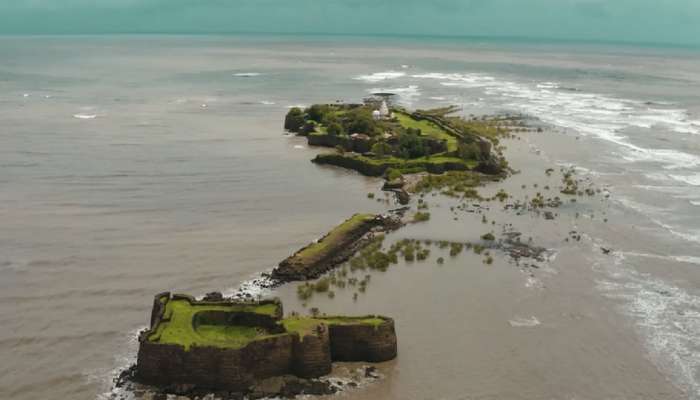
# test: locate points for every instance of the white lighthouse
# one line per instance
(384, 110)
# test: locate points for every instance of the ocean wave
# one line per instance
(676, 258)
(85, 116)
(267, 103)
(693, 180)
(522, 322)
(380, 76)
(653, 214)
(668, 317)
(247, 74)
(589, 114)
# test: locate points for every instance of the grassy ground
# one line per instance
(428, 129)
(329, 243)
(179, 329)
(306, 325)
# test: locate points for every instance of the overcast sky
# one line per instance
(664, 21)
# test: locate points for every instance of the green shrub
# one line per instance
(488, 236)
(305, 291)
(391, 173)
(421, 217)
(322, 285)
(335, 129)
(294, 120)
(317, 112)
(469, 151)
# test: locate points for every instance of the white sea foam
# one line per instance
(380, 76)
(654, 214)
(247, 74)
(267, 103)
(522, 322)
(693, 180)
(298, 146)
(591, 114)
(668, 317)
(122, 360)
(683, 259)
(85, 116)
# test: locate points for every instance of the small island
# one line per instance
(377, 140)
(219, 344)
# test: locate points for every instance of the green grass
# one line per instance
(306, 325)
(428, 129)
(330, 241)
(179, 329)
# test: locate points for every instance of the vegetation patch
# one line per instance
(177, 327)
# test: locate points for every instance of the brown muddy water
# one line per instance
(134, 165)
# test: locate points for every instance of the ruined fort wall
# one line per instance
(230, 369)
(285, 353)
(296, 268)
(362, 342)
(312, 354)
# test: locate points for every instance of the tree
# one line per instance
(469, 151)
(411, 146)
(381, 149)
(316, 112)
(294, 120)
(335, 129)
(360, 120)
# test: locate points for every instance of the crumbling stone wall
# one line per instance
(280, 354)
(297, 268)
(312, 354)
(361, 342)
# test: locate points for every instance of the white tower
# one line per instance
(384, 110)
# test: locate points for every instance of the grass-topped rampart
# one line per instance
(227, 345)
(330, 250)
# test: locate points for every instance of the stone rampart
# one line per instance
(280, 352)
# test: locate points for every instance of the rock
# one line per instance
(394, 184)
(402, 196)
(489, 167)
(548, 215)
(371, 372)
(181, 389)
(213, 296)
(160, 396)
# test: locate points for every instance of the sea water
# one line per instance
(132, 165)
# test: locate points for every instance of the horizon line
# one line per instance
(446, 37)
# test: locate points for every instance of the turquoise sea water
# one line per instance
(136, 164)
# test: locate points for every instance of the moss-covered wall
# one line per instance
(307, 354)
(360, 342)
(299, 267)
